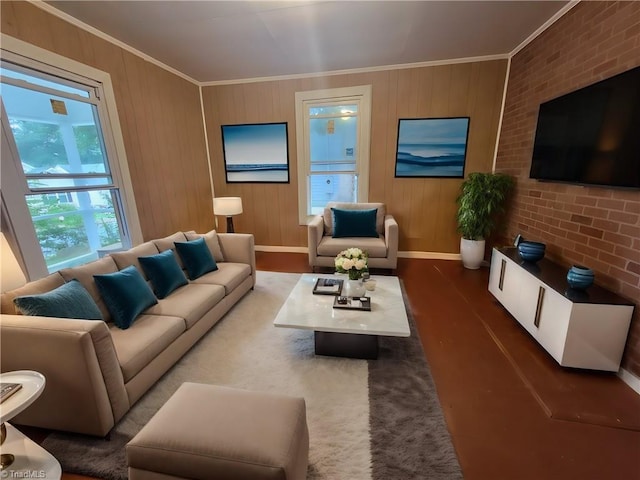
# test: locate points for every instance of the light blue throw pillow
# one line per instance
(126, 295)
(164, 272)
(354, 223)
(70, 300)
(196, 257)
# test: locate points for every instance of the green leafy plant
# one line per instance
(481, 201)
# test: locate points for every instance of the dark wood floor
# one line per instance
(512, 412)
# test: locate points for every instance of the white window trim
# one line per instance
(120, 168)
(302, 141)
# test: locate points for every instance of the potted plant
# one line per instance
(481, 201)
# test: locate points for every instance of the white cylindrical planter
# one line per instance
(472, 253)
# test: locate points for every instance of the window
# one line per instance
(62, 182)
(333, 147)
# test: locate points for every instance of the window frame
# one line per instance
(360, 95)
(26, 55)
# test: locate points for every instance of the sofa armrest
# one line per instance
(391, 238)
(315, 231)
(239, 248)
(84, 389)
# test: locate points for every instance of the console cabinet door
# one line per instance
(512, 286)
(552, 321)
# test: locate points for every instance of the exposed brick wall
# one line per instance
(597, 227)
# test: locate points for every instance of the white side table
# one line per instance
(21, 457)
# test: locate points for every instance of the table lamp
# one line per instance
(11, 275)
(228, 206)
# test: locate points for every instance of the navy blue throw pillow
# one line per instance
(70, 300)
(126, 295)
(196, 258)
(164, 272)
(354, 223)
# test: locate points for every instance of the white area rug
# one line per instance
(378, 419)
(245, 350)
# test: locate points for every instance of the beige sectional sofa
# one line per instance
(96, 371)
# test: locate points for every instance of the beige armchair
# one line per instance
(382, 250)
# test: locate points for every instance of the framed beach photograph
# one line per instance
(256, 153)
(432, 147)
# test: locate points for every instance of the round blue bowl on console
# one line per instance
(531, 251)
(580, 277)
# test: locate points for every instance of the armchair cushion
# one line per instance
(354, 223)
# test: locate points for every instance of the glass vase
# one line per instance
(354, 288)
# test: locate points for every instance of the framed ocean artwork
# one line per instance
(256, 153)
(432, 147)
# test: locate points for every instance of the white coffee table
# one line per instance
(346, 333)
(22, 457)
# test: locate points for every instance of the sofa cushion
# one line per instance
(84, 274)
(144, 341)
(190, 302)
(130, 257)
(37, 286)
(229, 275)
(168, 243)
(196, 257)
(330, 247)
(212, 241)
(164, 272)
(126, 295)
(70, 300)
(354, 223)
(328, 214)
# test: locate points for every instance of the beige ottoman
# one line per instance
(210, 432)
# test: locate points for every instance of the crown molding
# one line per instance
(452, 61)
(559, 14)
(399, 66)
(99, 33)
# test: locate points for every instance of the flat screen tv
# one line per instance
(591, 136)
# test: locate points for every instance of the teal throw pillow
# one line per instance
(126, 295)
(70, 300)
(164, 272)
(354, 223)
(196, 257)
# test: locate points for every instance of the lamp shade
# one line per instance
(12, 275)
(227, 206)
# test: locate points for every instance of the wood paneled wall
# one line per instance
(160, 117)
(424, 208)
(596, 227)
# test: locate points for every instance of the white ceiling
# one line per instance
(215, 41)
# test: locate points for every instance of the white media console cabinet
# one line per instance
(581, 329)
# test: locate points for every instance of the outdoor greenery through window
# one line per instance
(70, 192)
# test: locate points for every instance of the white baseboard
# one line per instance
(280, 249)
(425, 255)
(430, 255)
(630, 379)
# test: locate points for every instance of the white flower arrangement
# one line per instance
(352, 261)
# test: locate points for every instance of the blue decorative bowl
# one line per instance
(531, 251)
(580, 277)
